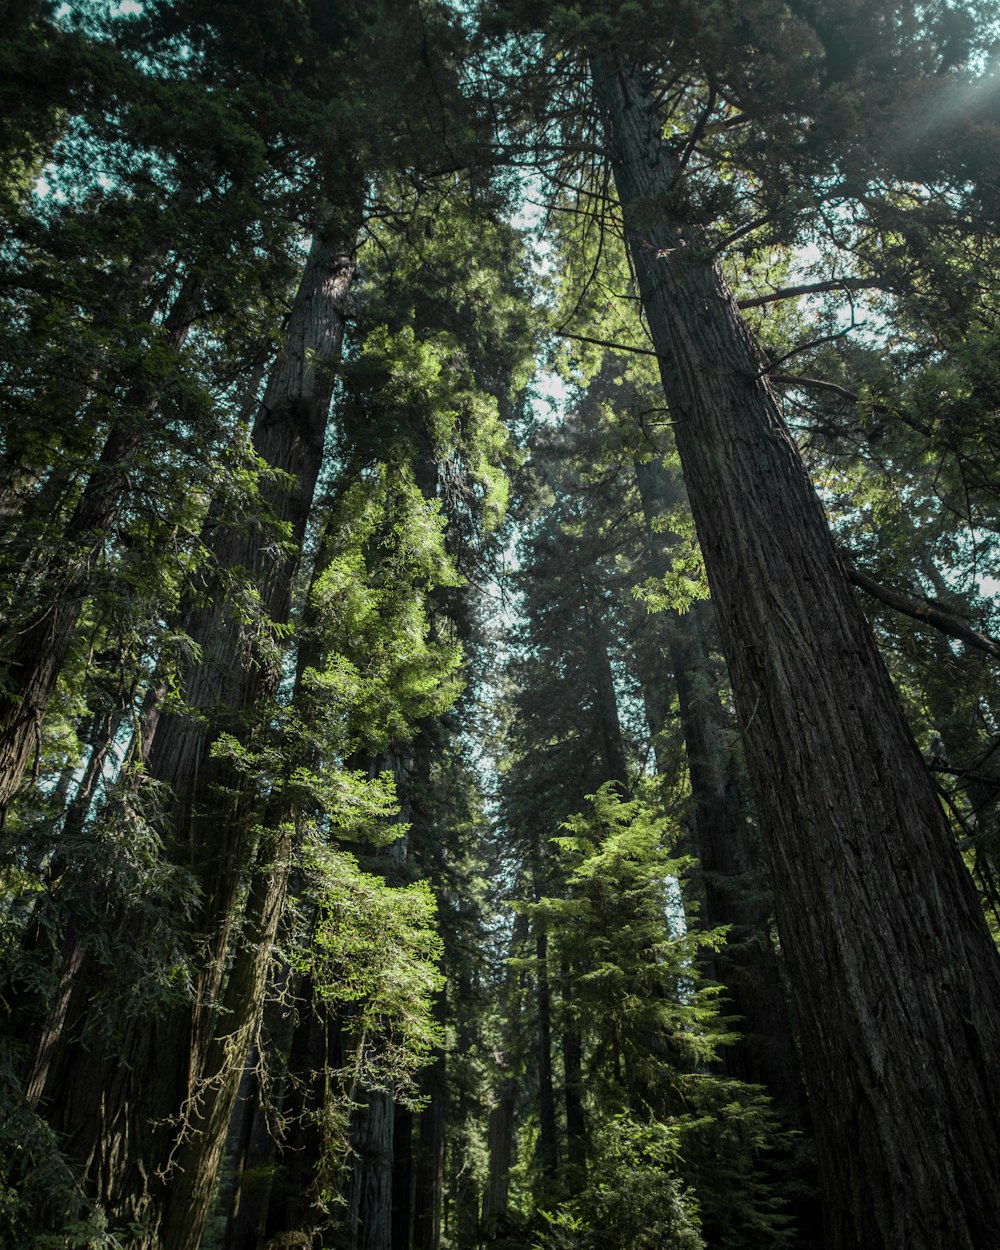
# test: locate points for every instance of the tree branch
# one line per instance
(617, 347)
(804, 347)
(817, 384)
(922, 610)
(810, 288)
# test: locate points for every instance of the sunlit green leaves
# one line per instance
(372, 957)
(387, 662)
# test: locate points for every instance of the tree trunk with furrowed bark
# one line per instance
(896, 980)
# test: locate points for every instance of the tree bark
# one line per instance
(895, 978)
(429, 1161)
(370, 1197)
(402, 1179)
(316, 1044)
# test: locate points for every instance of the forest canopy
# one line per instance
(499, 545)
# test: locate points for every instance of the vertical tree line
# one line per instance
(430, 823)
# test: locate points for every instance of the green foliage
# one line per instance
(372, 957)
(635, 980)
(37, 1177)
(685, 581)
(186, 153)
(633, 1196)
(633, 986)
(388, 659)
(733, 1147)
(446, 346)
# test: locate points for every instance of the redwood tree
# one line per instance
(895, 978)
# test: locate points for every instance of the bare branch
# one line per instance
(617, 347)
(923, 610)
(811, 288)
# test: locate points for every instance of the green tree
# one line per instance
(650, 1028)
(752, 542)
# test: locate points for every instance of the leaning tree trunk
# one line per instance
(895, 978)
(153, 1145)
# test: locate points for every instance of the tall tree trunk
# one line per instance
(402, 1179)
(153, 1151)
(370, 1195)
(895, 978)
(266, 1111)
(602, 685)
(501, 1123)
(500, 1145)
(735, 894)
(248, 1149)
(316, 1045)
(572, 1056)
(289, 436)
(429, 1161)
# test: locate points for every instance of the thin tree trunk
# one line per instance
(500, 1145)
(240, 1226)
(254, 1164)
(895, 978)
(501, 1123)
(548, 1148)
(42, 644)
(572, 1055)
(316, 1045)
(735, 893)
(602, 685)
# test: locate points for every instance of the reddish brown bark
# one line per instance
(895, 978)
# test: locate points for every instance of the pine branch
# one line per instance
(817, 384)
(805, 347)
